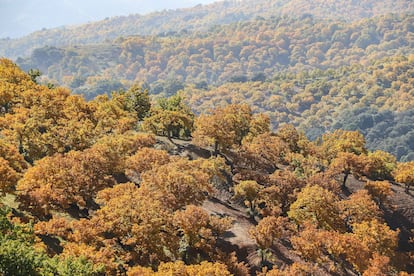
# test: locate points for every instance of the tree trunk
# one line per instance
(345, 178)
(216, 148)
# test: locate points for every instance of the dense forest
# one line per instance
(88, 189)
(269, 137)
(316, 74)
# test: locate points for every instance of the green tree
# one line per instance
(19, 254)
(34, 74)
(138, 101)
(172, 118)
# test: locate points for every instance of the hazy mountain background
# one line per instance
(198, 18)
(21, 17)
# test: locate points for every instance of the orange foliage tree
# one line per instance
(225, 127)
(12, 166)
(347, 163)
(179, 268)
(200, 232)
(131, 227)
(73, 179)
(359, 207)
(181, 181)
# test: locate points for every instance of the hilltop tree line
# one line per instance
(93, 194)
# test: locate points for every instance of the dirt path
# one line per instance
(238, 235)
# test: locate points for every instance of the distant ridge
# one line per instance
(198, 18)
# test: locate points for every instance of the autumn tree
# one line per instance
(359, 207)
(269, 201)
(379, 190)
(34, 124)
(290, 136)
(63, 180)
(138, 222)
(224, 127)
(182, 181)
(47, 121)
(281, 191)
(180, 268)
(318, 206)
(171, 118)
(259, 124)
(379, 265)
(267, 231)
(380, 165)
(200, 232)
(404, 173)
(326, 181)
(12, 166)
(347, 163)
(331, 248)
(112, 115)
(296, 268)
(13, 82)
(117, 148)
(145, 160)
(378, 237)
(263, 152)
(131, 227)
(73, 179)
(248, 191)
(9, 176)
(343, 141)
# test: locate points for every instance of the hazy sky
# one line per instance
(20, 17)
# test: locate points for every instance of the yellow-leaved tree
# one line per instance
(319, 206)
(404, 173)
(228, 126)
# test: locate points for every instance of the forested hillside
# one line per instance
(376, 100)
(199, 18)
(269, 137)
(89, 189)
(310, 72)
(236, 52)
